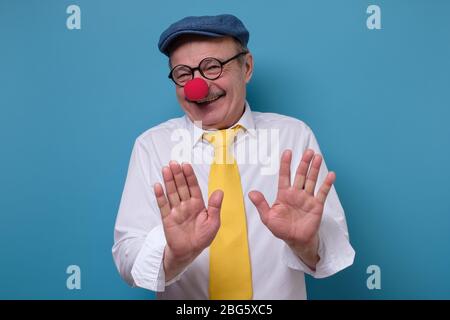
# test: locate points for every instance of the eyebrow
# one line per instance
(171, 66)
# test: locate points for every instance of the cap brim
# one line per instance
(165, 45)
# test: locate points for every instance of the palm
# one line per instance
(189, 230)
(296, 213)
(289, 219)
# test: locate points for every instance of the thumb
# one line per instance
(214, 204)
(261, 204)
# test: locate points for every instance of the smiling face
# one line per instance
(225, 102)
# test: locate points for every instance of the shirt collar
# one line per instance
(245, 121)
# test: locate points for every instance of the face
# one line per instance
(227, 93)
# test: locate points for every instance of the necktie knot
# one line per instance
(222, 140)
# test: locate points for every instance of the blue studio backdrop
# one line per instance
(72, 102)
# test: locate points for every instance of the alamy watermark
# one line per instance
(74, 279)
(374, 280)
(259, 147)
(373, 22)
(73, 21)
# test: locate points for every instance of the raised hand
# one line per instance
(189, 226)
(296, 213)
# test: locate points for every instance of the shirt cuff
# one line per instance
(335, 252)
(148, 268)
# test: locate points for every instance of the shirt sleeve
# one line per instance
(139, 239)
(335, 251)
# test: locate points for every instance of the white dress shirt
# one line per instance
(277, 273)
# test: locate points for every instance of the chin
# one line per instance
(209, 118)
(211, 122)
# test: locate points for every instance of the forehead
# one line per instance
(191, 49)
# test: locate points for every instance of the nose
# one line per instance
(197, 74)
(196, 89)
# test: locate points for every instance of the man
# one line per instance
(219, 225)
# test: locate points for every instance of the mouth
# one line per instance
(209, 100)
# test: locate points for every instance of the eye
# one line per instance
(181, 72)
(185, 74)
(213, 68)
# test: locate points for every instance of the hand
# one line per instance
(296, 213)
(189, 226)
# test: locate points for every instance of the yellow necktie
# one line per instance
(230, 276)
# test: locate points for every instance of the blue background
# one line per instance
(73, 101)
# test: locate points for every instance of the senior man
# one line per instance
(208, 222)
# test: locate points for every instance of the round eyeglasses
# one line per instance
(209, 68)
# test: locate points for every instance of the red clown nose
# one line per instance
(196, 89)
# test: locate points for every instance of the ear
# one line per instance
(248, 67)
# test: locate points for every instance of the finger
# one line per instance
(313, 173)
(261, 204)
(194, 188)
(326, 186)
(180, 181)
(161, 199)
(302, 169)
(214, 205)
(284, 180)
(171, 188)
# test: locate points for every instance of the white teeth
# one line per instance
(209, 100)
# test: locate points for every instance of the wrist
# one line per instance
(174, 264)
(306, 247)
(308, 252)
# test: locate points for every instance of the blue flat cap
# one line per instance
(214, 26)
